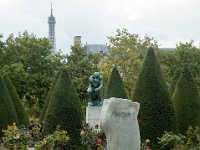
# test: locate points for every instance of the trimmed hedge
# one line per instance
(20, 110)
(187, 102)
(47, 100)
(156, 113)
(64, 110)
(174, 81)
(8, 114)
(115, 86)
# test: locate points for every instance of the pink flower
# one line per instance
(82, 132)
(147, 148)
(99, 140)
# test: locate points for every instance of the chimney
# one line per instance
(77, 40)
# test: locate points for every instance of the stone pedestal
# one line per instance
(93, 115)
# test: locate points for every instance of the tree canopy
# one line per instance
(185, 54)
(126, 51)
(31, 66)
(80, 66)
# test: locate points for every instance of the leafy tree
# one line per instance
(168, 64)
(20, 110)
(187, 102)
(156, 113)
(64, 109)
(30, 60)
(126, 51)
(47, 100)
(80, 66)
(115, 86)
(185, 54)
(17, 71)
(2, 44)
(188, 55)
(8, 114)
(174, 81)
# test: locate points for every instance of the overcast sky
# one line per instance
(168, 21)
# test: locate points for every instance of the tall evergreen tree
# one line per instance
(47, 100)
(20, 110)
(115, 86)
(156, 113)
(64, 109)
(8, 114)
(174, 81)
(187, 102)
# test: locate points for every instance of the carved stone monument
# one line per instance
(119, 122)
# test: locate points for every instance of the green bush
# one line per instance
(53, 141)
(64, 110)
(115, 86)
(16, 138)
(189, 141)
(8, 114)
(156, 113)
(20, 110)
(172, 141)
(187, 102)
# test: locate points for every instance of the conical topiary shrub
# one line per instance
(156, 113)
(20, 110)
(8, 114)
(64, 110)
(187, 102)
(174, 81)
(47, 100)
(115, 86)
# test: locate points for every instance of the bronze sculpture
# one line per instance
(95, 85)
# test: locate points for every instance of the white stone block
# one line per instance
(119, 122)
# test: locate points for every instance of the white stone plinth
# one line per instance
(119, 122)
(93, 115)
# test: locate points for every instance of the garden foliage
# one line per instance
(187, 102)
(8, 114)
(20, 110)
(156, 113)
(174, 81)
(189, 141)
(47, 100)
(92, 139)
(64, 110)
(115, 86)
(53, 141)
(15, 138)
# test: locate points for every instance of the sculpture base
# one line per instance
(93, 115)
(95, 103)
